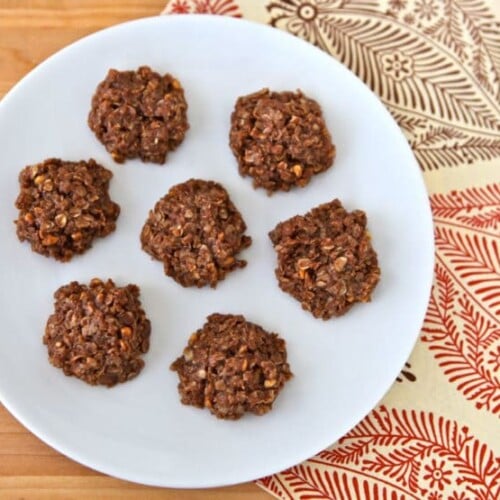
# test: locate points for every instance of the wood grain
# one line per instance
(30, 31)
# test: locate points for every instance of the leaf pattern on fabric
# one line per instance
(396, 454)
(462, 326)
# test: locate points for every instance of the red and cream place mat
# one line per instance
(436, 66)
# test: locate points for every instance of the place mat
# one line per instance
(436, 66)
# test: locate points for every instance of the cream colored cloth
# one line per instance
(436, 66)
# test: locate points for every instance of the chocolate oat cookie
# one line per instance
(232, 366)
(196, 231)
(98, 333)
(139, 114)
(325, 259)
(280, 139)
(63, 206)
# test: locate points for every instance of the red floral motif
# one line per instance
(435, 496)
(409, 19)
(437, 475)
(396, 454)
(457, 496)
(179, 7)
(426, 9)
(397, 4)
(219, 7)
(462, 325)
(397, 65)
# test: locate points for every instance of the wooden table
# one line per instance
(30, 31)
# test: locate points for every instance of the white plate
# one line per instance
(139, 430)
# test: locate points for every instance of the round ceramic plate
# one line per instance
(139, 430)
